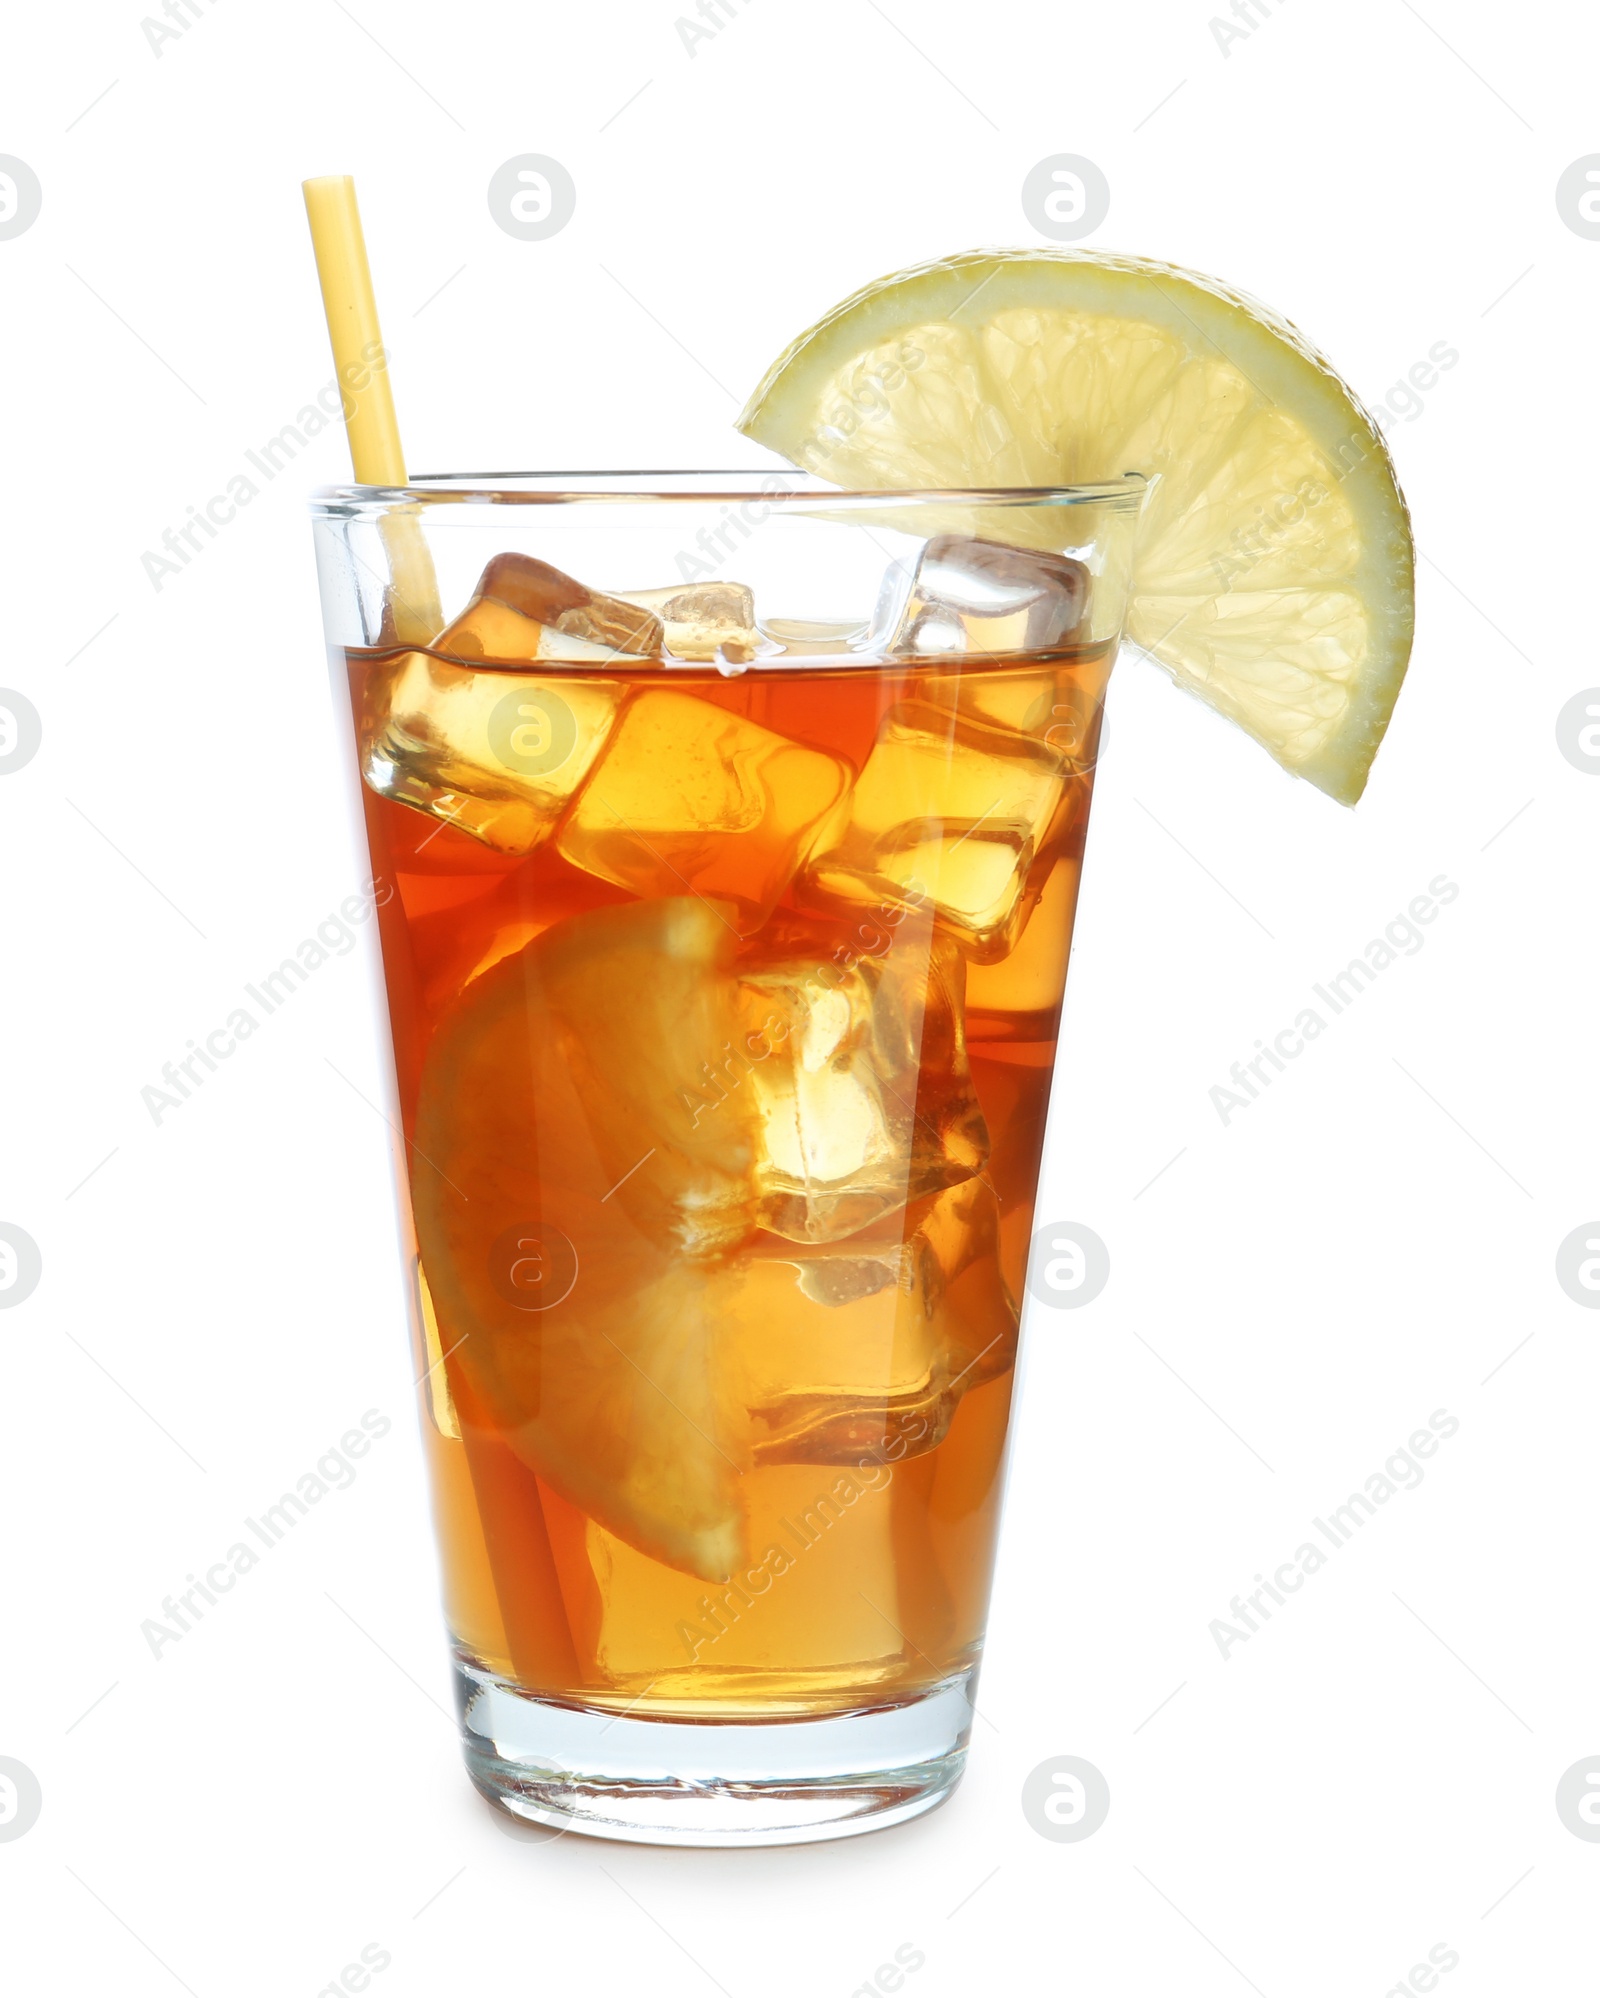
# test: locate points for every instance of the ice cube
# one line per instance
(1019, 998)
(497, 755)
(1058, 705)
(981, 1316)
(864, 1349)
(523, 609)
(815, 638)
(952, 812)
(858, 1079)
(846, 1319)
(702, 619)
(691, 797)
(966, 595)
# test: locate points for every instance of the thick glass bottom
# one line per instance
(741, 1781)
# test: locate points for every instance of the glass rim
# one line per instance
(772, 486)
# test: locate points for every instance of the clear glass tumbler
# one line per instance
(727, 831)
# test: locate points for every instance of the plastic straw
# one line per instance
(362, 365)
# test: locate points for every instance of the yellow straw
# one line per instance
(362, 366)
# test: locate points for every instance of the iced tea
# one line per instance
(725, 969)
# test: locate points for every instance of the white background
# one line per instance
(1370, 1775)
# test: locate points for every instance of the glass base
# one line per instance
(773, 1781)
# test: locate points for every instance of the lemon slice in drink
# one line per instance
(1274, 574)
(566, 1204)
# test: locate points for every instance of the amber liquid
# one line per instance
(860, 1572)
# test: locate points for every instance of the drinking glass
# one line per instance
(726, 832)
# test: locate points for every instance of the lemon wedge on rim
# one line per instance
(1274, 575)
